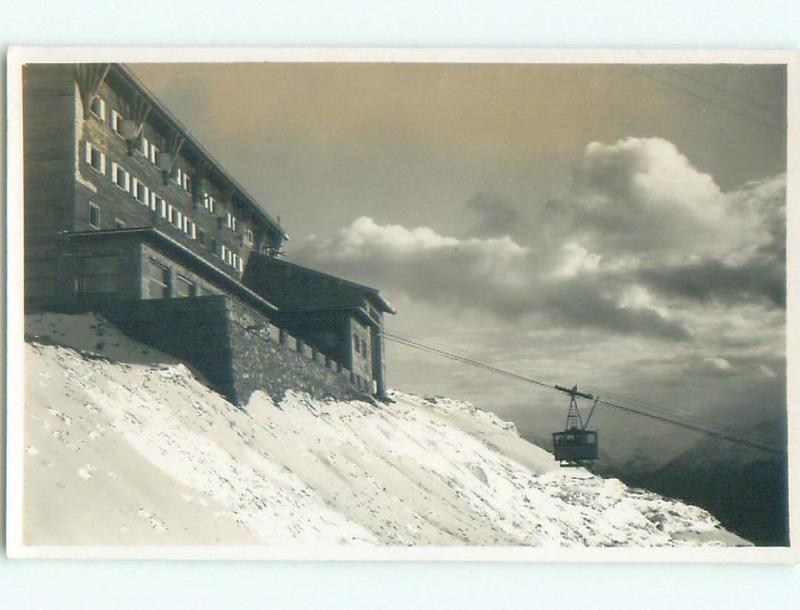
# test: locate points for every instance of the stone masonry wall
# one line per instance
(266, 359)
(235, 348)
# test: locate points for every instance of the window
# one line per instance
(140, 192)
(98, 108)
(159, 279)
(116, 122)
(190, 228)
(239, 264)
(143, 147)
(184, 287)
(154, 152)
(214, 246)
(95, 158)
(224, 252)
(94, 215)
(175, 217)
(182, 179)
(201, 236)
(208, 202)
(235, 261)
(248, 237)
(357, 343)
(98, 275)
(158, 205)
(230, 221)
(120, 177)
(119, 224)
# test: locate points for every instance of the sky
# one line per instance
(618, 227)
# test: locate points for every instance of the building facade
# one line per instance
(343, 318)
(123, 204)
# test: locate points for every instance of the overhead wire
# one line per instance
(777, 128)
(665, 416)
(692, 418)
(763, 107)
(641, 407)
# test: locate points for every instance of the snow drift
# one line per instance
(124, 445)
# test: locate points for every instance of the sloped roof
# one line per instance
(298, 297)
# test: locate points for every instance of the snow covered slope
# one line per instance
(125, 446)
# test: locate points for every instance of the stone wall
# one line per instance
(260, 361)
(236, 349)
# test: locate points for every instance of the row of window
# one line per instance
(150, 151)
(162, 283)
(232, 258)
(140, 192)
(180, 221)
(143, 146)
(123, 180)
(120, 177)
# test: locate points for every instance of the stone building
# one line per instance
(128, 214)
(343, 318)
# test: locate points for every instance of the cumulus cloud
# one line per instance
(641, 197)
(638, 232)
(497, 275)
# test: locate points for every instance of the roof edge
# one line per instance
(127, 74)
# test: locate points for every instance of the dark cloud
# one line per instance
(494, 275)
(714, 281)
(493, 216)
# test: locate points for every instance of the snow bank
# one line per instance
(125, 446)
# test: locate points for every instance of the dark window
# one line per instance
(143, 146)
(140, 192)
(96, 159)
(99, 275)
(94, 216)
(201, 236)
(98, 108)
(120, 177)
(185, 287)
(158, 279)
(357, 343)
(116, 122)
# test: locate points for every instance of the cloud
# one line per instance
(710, 281)
(641, 197)
(496, 275)
(493, 216)
(640, 243)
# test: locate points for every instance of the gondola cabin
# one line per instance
(575, 445)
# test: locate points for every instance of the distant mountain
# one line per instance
(746, 489)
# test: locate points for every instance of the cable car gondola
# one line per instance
(576, 446)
